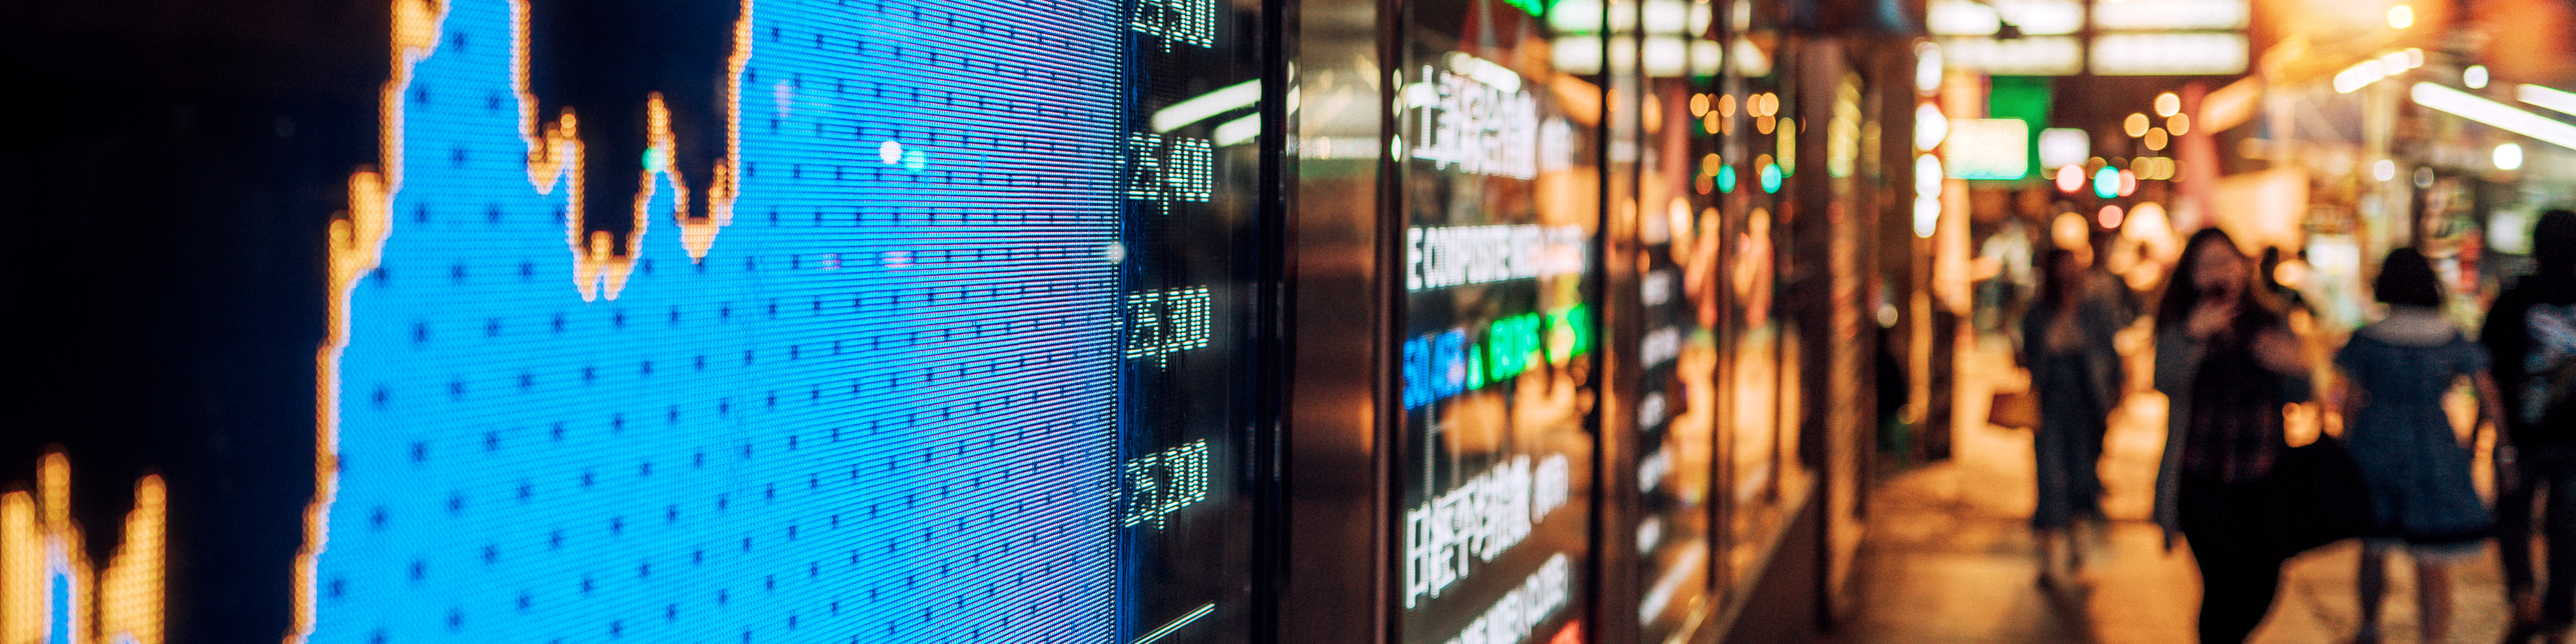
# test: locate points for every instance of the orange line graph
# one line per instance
(43, 556)
(554, 156)
(555, 153)
(356, 246)
(698, 234)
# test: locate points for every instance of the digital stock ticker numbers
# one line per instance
(917, 326)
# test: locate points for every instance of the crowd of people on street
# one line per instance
(2398, 475)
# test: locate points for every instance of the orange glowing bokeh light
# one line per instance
(2070, 179)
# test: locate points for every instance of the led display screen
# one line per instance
(952, 368)
(787, 321)
(1497, 348)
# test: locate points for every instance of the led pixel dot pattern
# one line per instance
(881, 408)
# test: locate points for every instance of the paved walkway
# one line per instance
(1949, 559)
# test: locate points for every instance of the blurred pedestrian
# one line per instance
(2396, 373)
(2532, 332)
(2227, 362)
(2001, 297)
(2075, 371)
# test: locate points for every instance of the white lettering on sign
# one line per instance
(1162, 323)
(1180, 169)
(1521, 611)
(1462, 255)
(1162, 483)
(1652, 469)
(1657, 286)
(1652, 411)
(1475, 116)
(1177, 21)
(1477, 522)
(1660, 346)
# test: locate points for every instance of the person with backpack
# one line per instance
(2531, 331)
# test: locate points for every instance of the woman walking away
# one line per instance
(2396, 372)
(2067, 341)
(2228, 362)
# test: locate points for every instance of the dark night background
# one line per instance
(171, 177)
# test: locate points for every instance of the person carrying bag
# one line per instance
(2227, 361)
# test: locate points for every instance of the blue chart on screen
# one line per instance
(882, 408)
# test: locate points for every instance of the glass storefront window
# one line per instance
(1495, 459)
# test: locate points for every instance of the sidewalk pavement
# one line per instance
(1949, 557)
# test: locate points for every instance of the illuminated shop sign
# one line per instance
(1495, 313)
(1440, 365)
(1460, 255)
(1475, 116)
(2169, 54)
(2032, 56)
(1665, 56)
(1660, 346)
(1987, 149)
(1519, 614)
(2064, 146)
(2175, 15)
(1449, 535)
(2030, 17)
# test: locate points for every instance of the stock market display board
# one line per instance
(736, 321)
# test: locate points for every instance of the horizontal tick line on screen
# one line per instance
(1177, 624)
